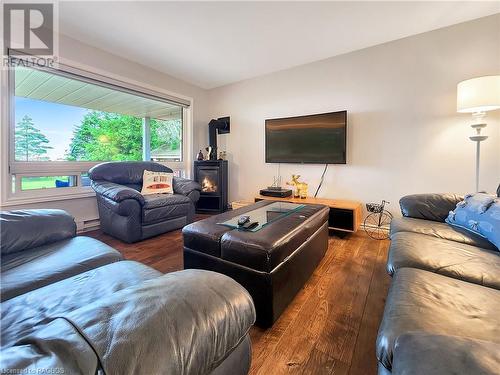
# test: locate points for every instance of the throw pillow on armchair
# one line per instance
(157, 183)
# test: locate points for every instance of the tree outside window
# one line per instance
(110, 136)
(30, 143)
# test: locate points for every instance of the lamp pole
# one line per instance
(478, 138)
(478, 96)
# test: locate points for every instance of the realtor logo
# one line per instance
(28, 28)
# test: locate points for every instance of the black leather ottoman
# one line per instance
(272, 264)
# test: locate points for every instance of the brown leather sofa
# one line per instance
(71, 305)
(442, 313)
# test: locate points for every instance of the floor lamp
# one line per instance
(478, 96)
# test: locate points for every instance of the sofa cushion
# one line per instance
(418, 353)
(421, 301)
(164, 200)
(21, 314)
(449, 258)
(43, 265)
(439, 230)
(164, 206)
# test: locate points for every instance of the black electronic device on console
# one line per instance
(277, 193)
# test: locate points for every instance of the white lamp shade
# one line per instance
(478, 94)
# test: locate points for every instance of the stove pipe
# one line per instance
(216, 126)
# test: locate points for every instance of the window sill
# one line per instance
(16, 201)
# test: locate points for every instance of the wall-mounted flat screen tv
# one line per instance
(313, 139)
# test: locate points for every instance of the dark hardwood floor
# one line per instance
(331, 325)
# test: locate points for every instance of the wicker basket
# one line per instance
(374, 207)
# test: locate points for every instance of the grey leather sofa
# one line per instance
(442, 310)
(110, 316)
(126, 214)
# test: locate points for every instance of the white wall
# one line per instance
(97, 60)
(404, 133)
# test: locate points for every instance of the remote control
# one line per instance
(250, 225)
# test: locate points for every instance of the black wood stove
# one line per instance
(212, 176)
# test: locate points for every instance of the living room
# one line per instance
(318, 240)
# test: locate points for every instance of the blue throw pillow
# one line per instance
(480, 214)
(490, 227)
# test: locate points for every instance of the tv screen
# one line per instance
(315, 139)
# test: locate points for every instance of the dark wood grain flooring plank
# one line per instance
(346, 301)
(364, 359)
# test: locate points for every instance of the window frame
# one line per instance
(54, 168)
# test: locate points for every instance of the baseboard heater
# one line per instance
(87, 225)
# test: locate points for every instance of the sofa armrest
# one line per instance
(185, 186)
(194, 196)
(433, 207)
(116, 192)
(26, 229)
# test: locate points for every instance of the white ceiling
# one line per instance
(211, 44)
